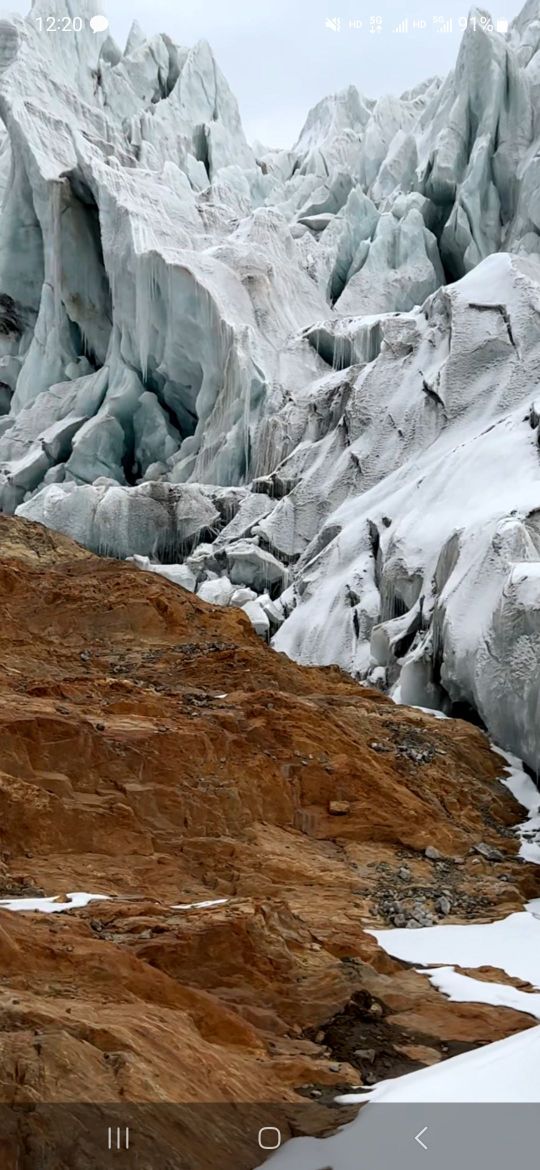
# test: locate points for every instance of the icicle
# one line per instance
(56, 212)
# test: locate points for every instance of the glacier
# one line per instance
(302, 381)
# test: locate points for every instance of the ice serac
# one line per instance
(121, 245)
(428, 571)
(153, 519)
(303, 381)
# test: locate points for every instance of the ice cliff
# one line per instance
(301, 381)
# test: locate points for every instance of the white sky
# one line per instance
(280, 59)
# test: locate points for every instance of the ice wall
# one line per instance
(308, 375)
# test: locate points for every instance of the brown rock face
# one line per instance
(154, 750)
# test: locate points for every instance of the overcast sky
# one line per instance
(280, 58)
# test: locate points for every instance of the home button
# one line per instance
(269, 1137)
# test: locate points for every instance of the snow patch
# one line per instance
(465, 989)
(511, 945)
(52, 905)
(525, 791)
(200, 905)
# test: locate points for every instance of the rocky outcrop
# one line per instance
(245, 819)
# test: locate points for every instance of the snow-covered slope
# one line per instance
(310, 374)
(503, 1073)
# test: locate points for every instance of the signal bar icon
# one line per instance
(446, 27)
(402, 27)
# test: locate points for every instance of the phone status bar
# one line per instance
(441, 25)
